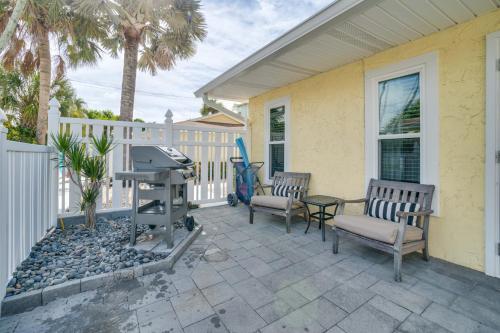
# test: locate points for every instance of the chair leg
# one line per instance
(288, 222)
(425, 251)
(335, 242)
(251, 214)
(398, 259)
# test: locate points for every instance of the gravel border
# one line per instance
(29, 300)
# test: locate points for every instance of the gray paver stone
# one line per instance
(60, 291)
(239, 317)
(96, 281)
(403, 297)
(368, 319)
(191, 307)
(20, 303)
(416, 324)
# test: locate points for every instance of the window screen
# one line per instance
(276, 140)
(276, 158)
(277, 124)
(400, 160)
(399, 128)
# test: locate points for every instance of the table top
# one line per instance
(321, 200)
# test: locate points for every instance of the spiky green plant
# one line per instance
(86, 170)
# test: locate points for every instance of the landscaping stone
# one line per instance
(77, 252)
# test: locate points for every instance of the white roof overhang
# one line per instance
(343, 32)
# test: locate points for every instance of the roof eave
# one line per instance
(333, 11)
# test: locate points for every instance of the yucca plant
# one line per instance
(87, 170)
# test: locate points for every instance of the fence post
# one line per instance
(169, 132)
(4, 215)
(53, 128)
(53, 117)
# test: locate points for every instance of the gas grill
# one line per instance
(160, 179)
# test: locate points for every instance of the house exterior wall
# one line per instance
(327, 132)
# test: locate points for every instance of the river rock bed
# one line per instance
(78, 252)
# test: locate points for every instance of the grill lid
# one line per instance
(158, 157)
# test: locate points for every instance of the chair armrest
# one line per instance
(362, 200)
(420, 213)
(342, 202)
(264, 186)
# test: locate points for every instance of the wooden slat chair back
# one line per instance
(400, 192)
(395, 192)
(294, 206)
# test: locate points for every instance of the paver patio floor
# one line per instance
(238, 277)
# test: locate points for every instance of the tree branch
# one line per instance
(11, 26)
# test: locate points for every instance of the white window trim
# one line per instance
(427, 66)
(284, 101)
(491, 178)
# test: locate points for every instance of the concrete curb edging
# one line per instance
(32, 299)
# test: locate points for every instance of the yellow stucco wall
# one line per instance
(327, 132)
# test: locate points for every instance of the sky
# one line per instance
(236, 29)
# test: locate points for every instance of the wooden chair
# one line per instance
(395, 238)
(286, 206)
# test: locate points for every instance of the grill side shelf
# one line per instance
(142, 175)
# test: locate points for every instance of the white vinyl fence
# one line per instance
(209, 147)
(28, 199)
(35, 188)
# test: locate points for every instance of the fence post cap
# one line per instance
(54, 105)
(168, 116)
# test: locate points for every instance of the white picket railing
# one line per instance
(209, 147)
(28, 199)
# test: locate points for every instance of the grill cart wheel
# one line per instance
(232, 199)
(189, 223)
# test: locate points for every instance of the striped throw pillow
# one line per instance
(282, 190)
(386, 210)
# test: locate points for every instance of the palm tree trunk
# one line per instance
(129, 77)
(44, 94)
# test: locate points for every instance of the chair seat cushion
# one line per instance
(377, 229)
(272, 201)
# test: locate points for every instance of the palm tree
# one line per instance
(30, 50)
(19, 99)
(10, 26)
(153, 34)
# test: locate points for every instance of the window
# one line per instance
(277, 136)
(399, 128)
(402, 130)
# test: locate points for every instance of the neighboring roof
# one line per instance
(203, 124)
(222, 109)
(216, 119)
(341, 33)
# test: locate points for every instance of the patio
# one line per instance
(238, 277)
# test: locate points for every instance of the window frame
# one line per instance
(427, 67)
(285, 102)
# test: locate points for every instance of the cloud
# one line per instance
(236, 29)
